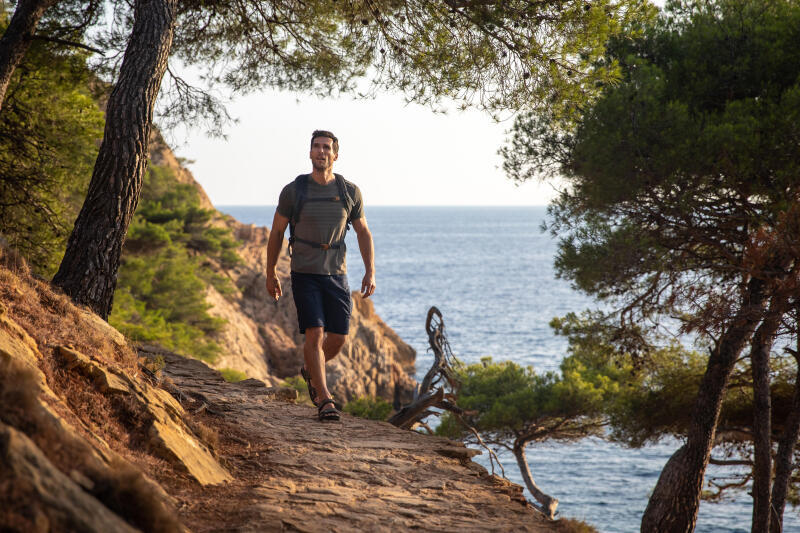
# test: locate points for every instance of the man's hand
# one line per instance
(274, 286)
(368, 285)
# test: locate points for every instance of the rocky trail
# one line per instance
(293, 473)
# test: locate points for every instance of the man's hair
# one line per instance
(323, 133)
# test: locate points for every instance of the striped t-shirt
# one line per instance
(322, 222)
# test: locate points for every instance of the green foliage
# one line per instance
(371, 408)
(512, 402)
(299, 384)
(232, 375)
(160, 294)
(49, 127)
(696, 135)
(498, 55)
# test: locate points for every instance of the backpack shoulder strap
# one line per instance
(347, 200)
(300, 194)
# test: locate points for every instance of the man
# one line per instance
(318, 208)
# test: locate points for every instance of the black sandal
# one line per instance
(328, 414)
(312, 392)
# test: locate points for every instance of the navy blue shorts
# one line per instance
(323, 301)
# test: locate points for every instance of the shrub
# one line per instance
(231, 375)
(369, 407)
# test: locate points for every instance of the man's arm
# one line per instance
(274, 245)
(367, 254)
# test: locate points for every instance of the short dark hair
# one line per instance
(331, 136)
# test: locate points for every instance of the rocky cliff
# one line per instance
(96, 436)
(261, 337)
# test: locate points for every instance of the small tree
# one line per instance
(514, 406)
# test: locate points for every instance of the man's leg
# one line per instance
(332, 344)
(315, 362)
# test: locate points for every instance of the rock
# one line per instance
(261, 337)
(105, 380)
(54, 500)
(170, 438)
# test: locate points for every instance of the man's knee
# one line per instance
(335, 340)
(333, 343)
(314, 335)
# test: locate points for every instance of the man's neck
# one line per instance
(323, 177)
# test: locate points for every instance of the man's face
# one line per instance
(322, 156)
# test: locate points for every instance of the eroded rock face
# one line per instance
(55, 501)
(262, 336)
(169, 436)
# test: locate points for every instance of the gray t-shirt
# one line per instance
(322, 222)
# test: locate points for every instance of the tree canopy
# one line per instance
(682, 203)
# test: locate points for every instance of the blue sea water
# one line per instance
(490, 272)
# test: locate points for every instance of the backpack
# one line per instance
(301, 197)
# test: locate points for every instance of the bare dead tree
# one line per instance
(439, 387)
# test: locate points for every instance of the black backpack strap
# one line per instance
(347, 200)
(300, 195)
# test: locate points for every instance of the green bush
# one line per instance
(299, 384)
(49, 130)
(369, 407)
(165, 269)
(232, 375)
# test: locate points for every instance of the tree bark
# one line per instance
(88, 272)
(17, 38)
(549, 504)
(675, 500)
(762, 414)
(783, 460)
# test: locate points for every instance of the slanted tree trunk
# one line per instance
(88, 272)
(762, 414)
(675, 500)
(17, 38)
(549, 504)
(783, 460)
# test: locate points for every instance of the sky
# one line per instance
(397, 153)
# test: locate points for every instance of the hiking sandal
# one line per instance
(312, 392)
(329, 413)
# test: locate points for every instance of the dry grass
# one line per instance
(52, 319)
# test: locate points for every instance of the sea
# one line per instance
(490, 272)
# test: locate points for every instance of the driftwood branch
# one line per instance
(439, 386)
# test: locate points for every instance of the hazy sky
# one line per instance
(398, 154)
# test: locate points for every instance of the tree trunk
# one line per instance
(549, 504)
(783, 460)
(762, 414)
(88, 272)
(17, 38)
(673, 505)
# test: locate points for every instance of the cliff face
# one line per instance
(261, 337)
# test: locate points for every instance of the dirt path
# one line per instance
(294, 473)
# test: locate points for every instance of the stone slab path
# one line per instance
(294, 473)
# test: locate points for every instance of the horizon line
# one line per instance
(401, 205)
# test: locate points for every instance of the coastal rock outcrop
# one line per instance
(261, 337)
